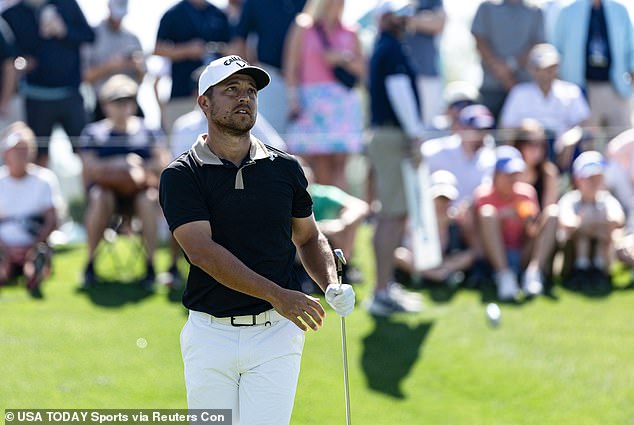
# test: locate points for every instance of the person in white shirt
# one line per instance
(29, 201)
(557, 105)
(468, 153)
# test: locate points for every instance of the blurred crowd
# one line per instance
(531, 173)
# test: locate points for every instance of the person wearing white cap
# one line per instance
(121, 160)
(588, 215)
(556, 104)
(514, 243)
(116, 50)
(240, 210)
(458, 254)
(30, 199)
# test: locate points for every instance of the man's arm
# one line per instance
(192, 50)
(195, 239)
(314, 251)
(430, 22)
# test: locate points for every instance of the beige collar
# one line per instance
(204, 155)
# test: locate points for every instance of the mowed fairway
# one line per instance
(564, 359)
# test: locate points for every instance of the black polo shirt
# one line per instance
(249, 209)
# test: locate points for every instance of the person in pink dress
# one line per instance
(326, 114)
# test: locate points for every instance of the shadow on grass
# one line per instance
(389, 353)
(111, 293)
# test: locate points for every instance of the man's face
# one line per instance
(589, 186)
(120, 109)
(545, 76)
(504, 182)
(233, 105)
(18, 157)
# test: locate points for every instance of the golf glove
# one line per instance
(341, 298)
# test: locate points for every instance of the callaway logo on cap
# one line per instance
(222, 68)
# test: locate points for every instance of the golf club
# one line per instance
(341, 260)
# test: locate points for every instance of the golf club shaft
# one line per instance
(341, 260)
(344, 352)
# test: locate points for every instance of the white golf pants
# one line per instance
(251, 370)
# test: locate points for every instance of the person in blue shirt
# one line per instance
(421, 45)
(595, 39)
(48, 34)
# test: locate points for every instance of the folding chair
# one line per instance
(121, 255)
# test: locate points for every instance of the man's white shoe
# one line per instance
(506, 282)
(532, 282)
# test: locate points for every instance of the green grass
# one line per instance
(564, 359)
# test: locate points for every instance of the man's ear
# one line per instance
(203, 102)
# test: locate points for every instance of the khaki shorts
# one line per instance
(387, 147)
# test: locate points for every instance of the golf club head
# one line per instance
(339, 255)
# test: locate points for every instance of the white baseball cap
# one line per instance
(543, 55)
(443, 183)
(118, 8)
(508, 160)
(588, 164)
(222, 68)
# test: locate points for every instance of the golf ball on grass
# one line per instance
(493, 314)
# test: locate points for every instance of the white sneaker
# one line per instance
(506, 282)
(394, 300)
(532, 282)
(411, 301)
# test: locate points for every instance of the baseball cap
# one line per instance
(588, 164)
(397, 7)
(459, 92)
(118, 8)
(508, 160)
(118, 87)
(15, 134)
(443, 183)
(476, 116)
(222, 68)
(543, 55)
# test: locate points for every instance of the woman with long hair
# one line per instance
(326, 113)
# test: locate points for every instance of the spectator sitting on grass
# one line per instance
(29, 195)
(338, 215)
(588, 216)
(458, 255)
(512, 237)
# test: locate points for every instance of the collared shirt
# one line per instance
(561, 109)
(250, 210)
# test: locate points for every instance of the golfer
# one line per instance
(240, 211)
